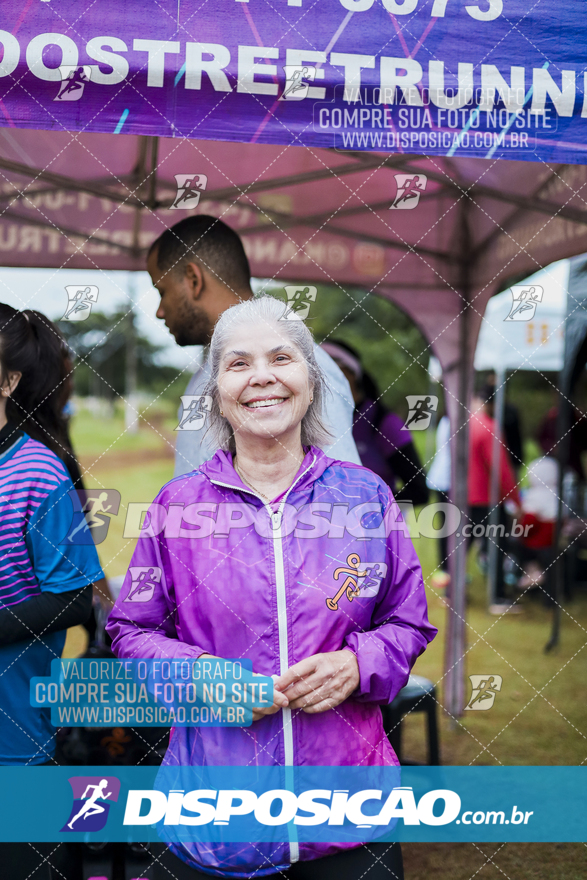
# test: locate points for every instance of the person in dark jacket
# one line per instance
(512, 433)
(383, 444)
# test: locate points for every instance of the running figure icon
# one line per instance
(194, 409)
(421, 409)
(75, 80)
(484, 690)
(91, 519)
(524, 303)
(189, 190)
(296, 84)
(91, 808)
(409, 190)
(79, 302)
(145, 582)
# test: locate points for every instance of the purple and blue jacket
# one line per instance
(243, 579)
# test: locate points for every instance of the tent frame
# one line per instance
(141, 186)
(458, 267)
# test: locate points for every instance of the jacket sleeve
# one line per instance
(142, 622)
(43, 614)
(400, 629)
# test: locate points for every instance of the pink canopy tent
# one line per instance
(316, 215)
(286, 111)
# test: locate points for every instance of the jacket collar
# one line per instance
(220, 469)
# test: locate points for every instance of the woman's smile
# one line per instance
(264, 402)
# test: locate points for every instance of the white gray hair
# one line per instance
(267, 310)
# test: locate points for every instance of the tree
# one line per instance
(392, 348)
(100, 348)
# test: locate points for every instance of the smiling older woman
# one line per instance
(297, 573)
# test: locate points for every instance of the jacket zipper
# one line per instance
(276, 521)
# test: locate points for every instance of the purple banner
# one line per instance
(484, 78)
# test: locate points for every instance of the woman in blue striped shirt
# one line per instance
(45, 580)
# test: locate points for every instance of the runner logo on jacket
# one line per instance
(349, 586)
(144, 580)
(373, 572)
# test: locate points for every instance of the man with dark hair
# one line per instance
(200, 269)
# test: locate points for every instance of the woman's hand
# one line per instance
(280, 701)
(320, 682)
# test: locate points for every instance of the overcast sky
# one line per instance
(44, 290)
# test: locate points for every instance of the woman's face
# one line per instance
(263, 382)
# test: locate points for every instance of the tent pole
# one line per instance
(494, 499)
(454, 665)
(563, 426)
(455, 637)
(131, 409)
(431, 432)
(153, 173)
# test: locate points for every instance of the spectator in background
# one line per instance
(482, 430)
(548, 438)
(383, 444)
(438, 480)
(534, 548)
(512, 435)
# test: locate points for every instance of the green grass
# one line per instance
(137, 465)
(140, 483)
(495, 861)
(98, 436)
(538, 718)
